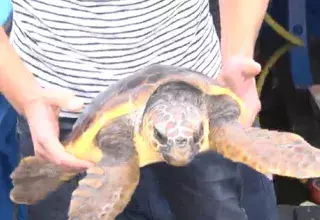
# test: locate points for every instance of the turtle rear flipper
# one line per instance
(34, 179)
(280, 153)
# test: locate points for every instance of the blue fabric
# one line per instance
(9, 157)
(5, 11)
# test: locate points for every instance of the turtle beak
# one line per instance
(180, 152)
(177, 162)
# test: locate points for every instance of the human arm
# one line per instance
(40, 106)
(17, 84)
(241, 21)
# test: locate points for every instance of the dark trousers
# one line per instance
(9, 157)
(210, 188)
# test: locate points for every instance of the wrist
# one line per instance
(231, 50)
(25, 99)
(230, 67)
(31, 105)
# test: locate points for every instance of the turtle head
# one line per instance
(176, 131)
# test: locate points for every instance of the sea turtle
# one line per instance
(160, 114)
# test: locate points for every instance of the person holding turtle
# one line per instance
(66, 52)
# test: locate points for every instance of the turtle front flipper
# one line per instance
(108, 186)
(105, 191)
(34, 179)
(280, 153)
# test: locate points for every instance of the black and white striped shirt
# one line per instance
(86, 45)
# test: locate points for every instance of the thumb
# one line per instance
(250, 68)
(63, 98)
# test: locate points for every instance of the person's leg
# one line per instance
(258, 196)
(9, 156)
(147, 202)
(209, 188)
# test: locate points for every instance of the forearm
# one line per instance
(17, 84)
(241, 21)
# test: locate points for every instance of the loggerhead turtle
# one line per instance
(161, 114)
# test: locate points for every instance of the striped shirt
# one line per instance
(86, 45)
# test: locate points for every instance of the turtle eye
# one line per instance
(159, 136)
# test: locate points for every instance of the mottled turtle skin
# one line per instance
(161, 113)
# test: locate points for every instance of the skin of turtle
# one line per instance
(160, 114)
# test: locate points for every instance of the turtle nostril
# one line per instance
(181, 141)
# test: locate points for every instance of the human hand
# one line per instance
(42, 116)
(238, 74)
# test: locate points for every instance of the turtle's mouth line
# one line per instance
(177, 162)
